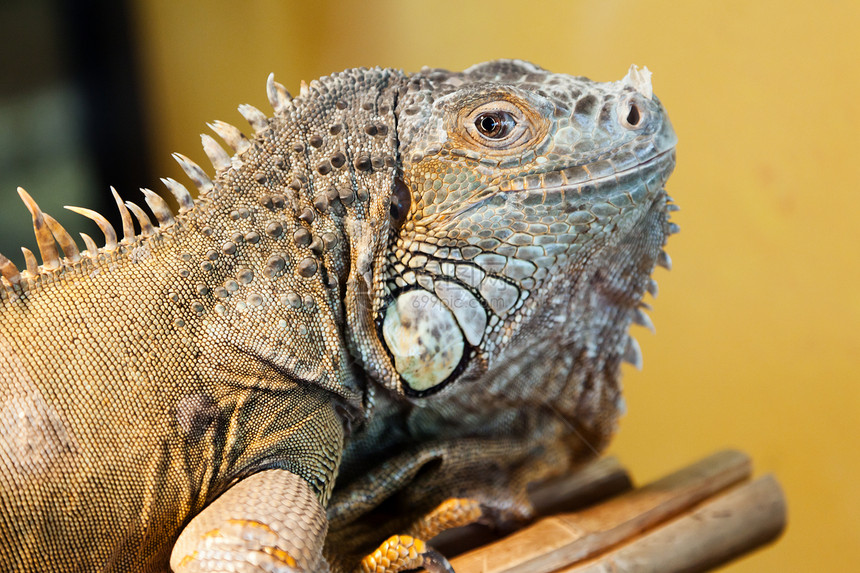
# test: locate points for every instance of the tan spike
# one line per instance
(256, 118)
(159, 207)
(92, 247)
(104, 225)
(641, 318)
(67, 243)
(652, 288)
(230, 134)
(127, 223)
(279, 97)
(30, 261)
(146, 227)
(47, 246)
(633, 354)
(664, 260)
(304, 90)
(183, 197)
(219, 158)
(195, 173)
(9, 271)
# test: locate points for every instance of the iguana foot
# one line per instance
(403, 552)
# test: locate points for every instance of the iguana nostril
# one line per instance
(633, 115)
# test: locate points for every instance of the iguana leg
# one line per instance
(270, 521)
(454, 512)
(401, 552)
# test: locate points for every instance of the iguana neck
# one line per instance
(269, 250)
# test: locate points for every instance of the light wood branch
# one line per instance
(748, 516)
(627, 528)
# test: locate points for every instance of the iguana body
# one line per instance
(419, 283)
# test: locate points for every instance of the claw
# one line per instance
(435, 562)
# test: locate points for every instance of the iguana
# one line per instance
(403, 291)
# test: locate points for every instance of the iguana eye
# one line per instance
(495, 125)
(500, 125)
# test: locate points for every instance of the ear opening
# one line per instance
(401, 203)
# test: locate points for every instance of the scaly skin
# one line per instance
(420, 285)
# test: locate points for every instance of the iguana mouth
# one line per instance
(523, 183)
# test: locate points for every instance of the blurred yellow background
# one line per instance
(758, 324)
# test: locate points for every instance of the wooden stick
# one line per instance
(560, 540)
(592, 483)
(746, 517)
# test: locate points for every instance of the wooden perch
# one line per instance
(746, 517)
(691, 520)
(594, 482)
(599, 480)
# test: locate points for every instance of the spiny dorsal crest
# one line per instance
(50, 234)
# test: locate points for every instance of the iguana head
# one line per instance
(526, 220)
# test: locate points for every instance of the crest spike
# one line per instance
(231, 135)
(9, 271)
(92, 247)
(127, 224)
(641, 318)
(633, 353)
(217, 156)
(146, 228)
(664, 260)
(279, 97)
(183, 197)
(67, 243)
(256, 118)
(30, 261)
(44, 238)
(195, 173)
(104, 225)
(652, 288)
(159, 207)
